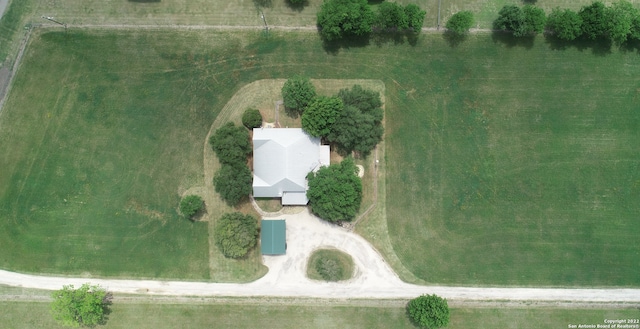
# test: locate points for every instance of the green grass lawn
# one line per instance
(505, 164)
(35, 315)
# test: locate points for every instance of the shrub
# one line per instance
(235, 234)
(429, 311)
(251, 118)
(460, 22)
(84, 306)
(191, 205)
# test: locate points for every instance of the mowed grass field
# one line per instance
(505, 165)
(33, 315)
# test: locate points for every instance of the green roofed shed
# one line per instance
(273, 237)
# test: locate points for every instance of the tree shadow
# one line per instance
(292, 113)
(144, 1)
(382, 37)
(334, 46)
(296, 6)
(107, 301)
(454, 39)
(599, 47)
(510, 41)
(529, 2)
(630, 46)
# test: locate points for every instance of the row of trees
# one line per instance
(232, 146)
(339, 19)
(351, 120)
(619, 22)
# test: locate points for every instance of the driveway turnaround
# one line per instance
(286, 277)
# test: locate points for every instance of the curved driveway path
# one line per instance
(286, 276)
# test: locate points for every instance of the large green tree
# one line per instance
(345, 18)
(534, 19)
(233, 183)
(429, 311)
(594, 20)
(565, 24)
(320, 115)
(235, 234)
(231, 144)
(460, 22)
(335, 192)
(297, 93)
(84, 306)
(358, 127)
(520, 21)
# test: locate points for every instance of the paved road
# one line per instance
(373, 279)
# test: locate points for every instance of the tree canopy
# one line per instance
(335, 192)
(565, 24)
(620, 19)
(345, 18)
(521, 22)
(358, 127)
(391, 16)
(429, 311)
(84, 306)
(251, 118)
(594, 23)
(191, 205)
(231, 144)
(415, 17)
(233, 183)
(320, 115)
(235, 234)
(460, 22)
(297, 93)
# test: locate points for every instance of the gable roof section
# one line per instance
(282, 158)
(273, 237)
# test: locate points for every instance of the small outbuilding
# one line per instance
(273, 237)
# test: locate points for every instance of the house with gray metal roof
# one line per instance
(282, 158)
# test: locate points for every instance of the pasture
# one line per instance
(505, 164)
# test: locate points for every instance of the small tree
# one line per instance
(620, 18)
(320, 115)
(335, 192)
(534, 19)
(429, 311)
(231, 144)
(460, 22)
(84, 306)
(233, 183)
(338, 19)
(251, 118)
(235, 234)
(510, 18)
(594, 21)
(297, 93)
(415, 17)
(391, 16)
(191, 205)
(565, 24)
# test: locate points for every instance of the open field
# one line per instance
(142, 315)
(505, 165)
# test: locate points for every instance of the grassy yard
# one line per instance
(505, 164)
(35, 315)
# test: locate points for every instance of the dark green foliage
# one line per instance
(320, 115)
(415, 17)
(233, 183)
(359, 127)
(521, 22)
(594, 23)
(344, 18)
(460, 22)
(297, 93)
(191, 205)
(429, 311)
(251, 118)
(534, 19)
(231, 144)
(297, 2)
(335, 192)
(84, 306)
(620, 18)
(565, 24)
(391, 16)
(235, 234)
